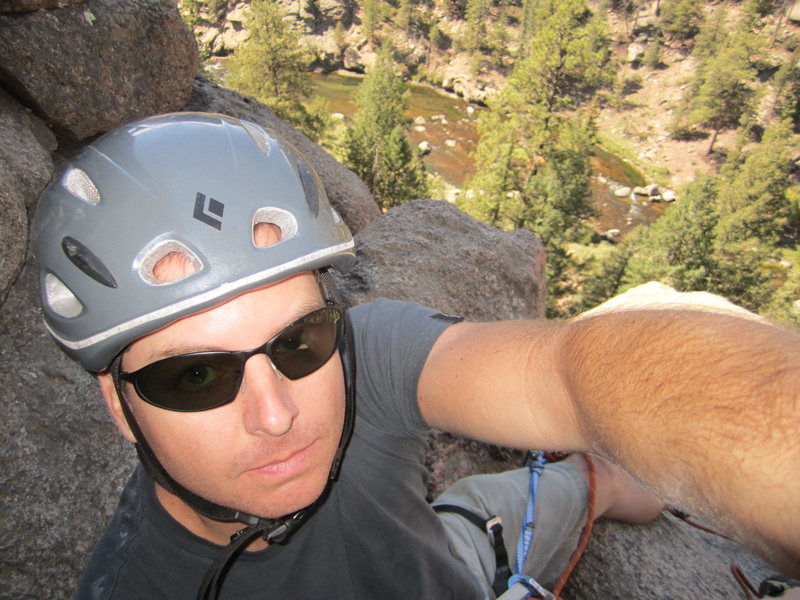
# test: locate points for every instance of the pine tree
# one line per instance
(566, 57)
(477, 12)
(272, 67)
(497, 41)
(652, 56)
(753, 195)
(629, 11)
(190, 11)
(787, 93)
(678, 249)
(681, 19)
(785, 304)
(376, 147)
(725, 93)
(757, 9)
(372, 9)
(754, 212)
(532, 156)
(399, 175)
(339, 37)
(216, 9)
(404, 11)
(726, 233)
(530, 124)
(606, 278)
(713, 34)
(527, 23)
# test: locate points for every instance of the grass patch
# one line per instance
(620, 166)
(585, 252)
(625, 154)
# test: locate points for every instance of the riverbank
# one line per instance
(446, 126)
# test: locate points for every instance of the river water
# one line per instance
(448, 124)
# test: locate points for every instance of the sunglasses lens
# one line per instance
(191, 383)
(203, 380)
(305, 346)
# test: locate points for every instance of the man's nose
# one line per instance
(268, 406)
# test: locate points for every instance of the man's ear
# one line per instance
(113, 400)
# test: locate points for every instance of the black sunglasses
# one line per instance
(204, 380)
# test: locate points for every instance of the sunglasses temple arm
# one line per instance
(347, 354)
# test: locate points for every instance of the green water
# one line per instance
(449, 126)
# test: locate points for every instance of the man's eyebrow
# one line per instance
(171, 350)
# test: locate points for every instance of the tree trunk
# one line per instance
(787, 6)
(713, 140)
(635, 21)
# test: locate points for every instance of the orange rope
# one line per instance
(585, 534)
(748, 590)
(686, 519)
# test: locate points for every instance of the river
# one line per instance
(448, 124)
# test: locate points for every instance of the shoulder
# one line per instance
(392, 342)
(100, 579)
(129, 563)
(391, 334)
(388, 314)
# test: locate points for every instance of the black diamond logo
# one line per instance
(203, 212)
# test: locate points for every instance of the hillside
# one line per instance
(643, 123)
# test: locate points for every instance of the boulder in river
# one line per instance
(622, 192)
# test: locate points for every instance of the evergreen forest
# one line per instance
(559, 82)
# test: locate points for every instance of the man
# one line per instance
(183, 258)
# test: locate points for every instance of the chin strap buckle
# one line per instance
(279, 534)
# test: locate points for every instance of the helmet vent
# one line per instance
(282, 219)
(260, 139)
(60, 298)
(87, 261)
(311, 186)
(81, 185)
(166, 262)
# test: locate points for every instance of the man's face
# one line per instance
(268, 452)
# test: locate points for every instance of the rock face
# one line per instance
(664, 559)
(88, 67)
(25, 167)
(432, 253)
(656, 295)
(11, 6)
(63, 462)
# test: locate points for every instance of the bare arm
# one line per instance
(704, 408)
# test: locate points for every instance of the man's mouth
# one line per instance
(290, 463)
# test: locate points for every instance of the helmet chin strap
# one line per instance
(271, 530)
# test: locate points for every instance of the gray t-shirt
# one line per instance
(374, 536)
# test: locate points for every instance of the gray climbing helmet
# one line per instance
(192, 183)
